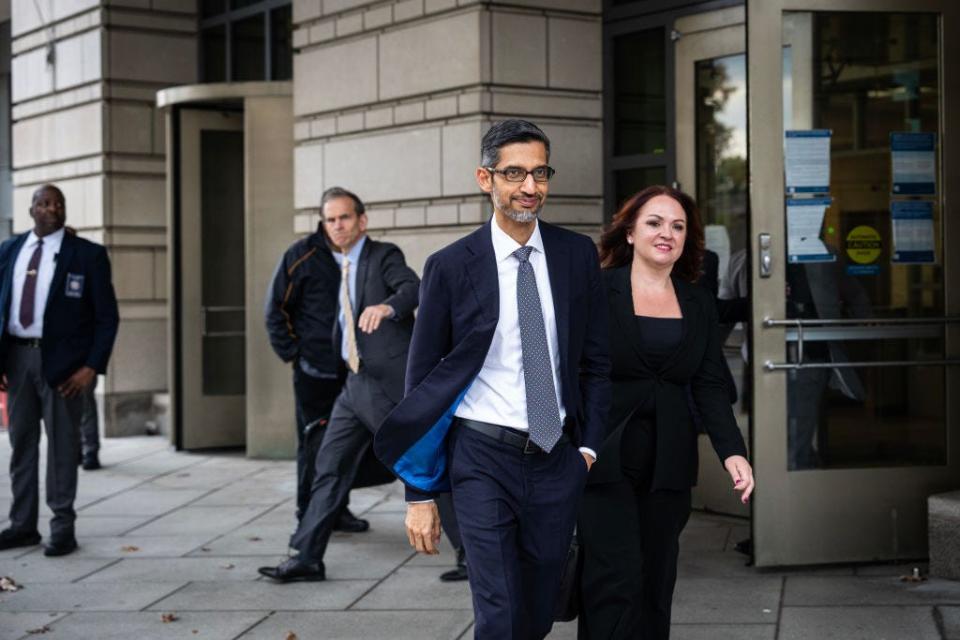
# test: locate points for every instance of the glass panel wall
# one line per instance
(246, 40)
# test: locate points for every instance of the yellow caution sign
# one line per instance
(863, 244)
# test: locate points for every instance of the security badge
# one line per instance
(74, 285)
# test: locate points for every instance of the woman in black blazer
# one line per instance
(664, 336)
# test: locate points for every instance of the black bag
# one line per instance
(568, 599)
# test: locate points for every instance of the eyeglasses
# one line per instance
(519, 174)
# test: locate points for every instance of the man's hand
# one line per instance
(423, 527)
(75, 384)
(373, 315)
(588, 459)
(742, 475)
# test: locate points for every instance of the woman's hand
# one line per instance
(742, 475)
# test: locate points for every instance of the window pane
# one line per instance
(281, 53)
(210, 8)
(213, 45)
(240, 4)
(627, 182)
(248, 49)
(640, 116)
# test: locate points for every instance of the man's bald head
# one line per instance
(48, 210)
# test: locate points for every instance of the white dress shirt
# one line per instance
(498, 394)
(48, 264)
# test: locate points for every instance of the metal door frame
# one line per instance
(787, 503)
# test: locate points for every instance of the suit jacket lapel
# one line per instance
(362, 265)
(558, 266)
(67, 247)
(622, 300)
(481, 269)
(8, 279)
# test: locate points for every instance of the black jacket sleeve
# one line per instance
(281, 297)
(402, 280)
(595, 386)
(106, 315)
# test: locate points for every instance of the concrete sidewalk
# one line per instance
(174, 533)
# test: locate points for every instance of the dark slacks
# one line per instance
(31, 400)
(516, 514)
(314, 398)
(90, 421)
(630, 543)
(357, 413)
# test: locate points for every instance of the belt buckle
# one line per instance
(530, 447)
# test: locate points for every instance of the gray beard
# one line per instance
(514, 214)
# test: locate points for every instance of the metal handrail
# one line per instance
(800, 323)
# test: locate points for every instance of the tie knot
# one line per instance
(523, 253)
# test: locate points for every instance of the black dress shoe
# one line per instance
(350, 523)
(454, 575)
(292, 570)
(91, 461)
(60, 547)
(10, 539)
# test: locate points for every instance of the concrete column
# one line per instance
(391, 100)
(84, 78)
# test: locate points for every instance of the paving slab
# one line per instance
(249, 492)
(367, 625)
(142, 501)
(727, 600)
(265, 596)
(134, 546)
(561, 631)
(950, 619)
(114, 596)
(858, 623)
(723, 631)
(36, 568)
(137, 570)
(844, 591)
(704, 538)
(362, 560)
(114, 625)
(705, 564)
(209, 521)
(16, 625)
(895, 569)
(250, 541)
(416, 588)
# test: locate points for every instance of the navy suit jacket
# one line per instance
(459, 310)
(79, 328)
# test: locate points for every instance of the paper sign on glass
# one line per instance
(804, 224)
(807, 161)
(913, 156)
(913, 239)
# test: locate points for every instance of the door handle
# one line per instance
(765, 259)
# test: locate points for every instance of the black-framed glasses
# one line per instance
(519, 174)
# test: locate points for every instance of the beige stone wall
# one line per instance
(391, 99)
(84, 78)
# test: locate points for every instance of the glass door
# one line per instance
(854, 332)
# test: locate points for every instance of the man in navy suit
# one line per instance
(507, 391)
(58, 321)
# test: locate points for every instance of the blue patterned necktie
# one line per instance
(543, 414)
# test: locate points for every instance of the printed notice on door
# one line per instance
(914, 163)
(807, 161)
(804, 226)
(913, 237)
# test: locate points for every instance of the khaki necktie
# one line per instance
(353, 357)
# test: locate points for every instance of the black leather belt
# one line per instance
(513, 437)
(33, 343)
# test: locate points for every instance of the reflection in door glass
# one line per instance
(864, 76)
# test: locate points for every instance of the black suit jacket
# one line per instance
(458, 318)
(697, 362)
(383, 277)
(80, 320)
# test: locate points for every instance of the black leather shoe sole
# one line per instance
(356, 525)
(90, 464)
(63, 548)
(22, 540)
(454, 575)
(274, 574)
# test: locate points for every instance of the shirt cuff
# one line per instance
(591, 452)
(419, 501)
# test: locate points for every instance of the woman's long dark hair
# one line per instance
(615, 251)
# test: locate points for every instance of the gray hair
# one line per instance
(339, 192)
(509, 132)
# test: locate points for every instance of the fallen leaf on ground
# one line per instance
(129, 548)
(194, 632)
(39, 630)
(228, 566)
(9, 584)
(254, 538)
(169, 617)
(290, 636)
(204, 548)
(183, 475)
